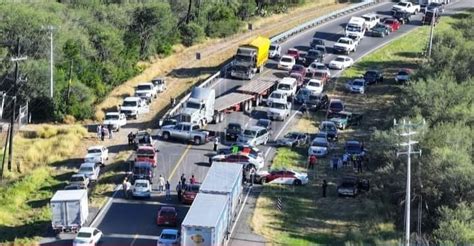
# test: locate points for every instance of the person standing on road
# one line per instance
(99, 131)
(311, 162)
(252, 176)
(161, 184)
(354, 161)
(192, 180)
(359, 164)
(111, 130)
(216, 143)
(183, 180)
(125, 188)
(168, 190)
(179, 190)
(325, 186)
(345, 159)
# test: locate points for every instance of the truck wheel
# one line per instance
(197, 141)
(221, 116)
(166, 135)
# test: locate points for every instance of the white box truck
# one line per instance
(207, 221)
(224, 178)
(69, 209)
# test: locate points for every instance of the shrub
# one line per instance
(191, 33)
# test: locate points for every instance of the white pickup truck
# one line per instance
(371, 20)
(406, 7)
(116, 119)
(345, 45)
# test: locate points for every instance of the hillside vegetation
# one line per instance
(98, 44)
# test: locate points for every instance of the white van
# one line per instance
(287, 86)
(356, 27)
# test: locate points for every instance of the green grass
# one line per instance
(306, 217)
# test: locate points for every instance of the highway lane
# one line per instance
(177, 158)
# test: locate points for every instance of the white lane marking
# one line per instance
(281, 130)
(240, 212)
(134, 239)
(130, 236)
(98, 218)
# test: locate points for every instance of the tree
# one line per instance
(246, 9)
(191, 33)
(456, 226)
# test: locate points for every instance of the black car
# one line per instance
(302, 95)
(322, 49)
(313, 55)
(348, 186)
(316, 41)
(143, 170)
(380, 30)
(266, 123)
(353, 147)
(232, 131)
(373, 76)
(293, 139)
(402, 16)
(317, 101)
(432, 6)
(428, 17)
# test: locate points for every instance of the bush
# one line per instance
(191, 33)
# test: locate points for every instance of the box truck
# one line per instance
(224, 178)
(207, 221)
(251, 58)
(199, 108)
(69, 209)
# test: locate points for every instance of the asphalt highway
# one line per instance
(132, 222)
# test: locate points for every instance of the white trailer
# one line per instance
(207, 221)
(69, 209)
(225, 178)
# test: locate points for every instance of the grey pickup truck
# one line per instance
(185, 131)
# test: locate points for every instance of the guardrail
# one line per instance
(276, 39)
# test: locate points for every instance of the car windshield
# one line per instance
(313, 53)
(145, 152)
(86, 169)
(320, 49)
(84, 235)
(249, 133)
(314, 84)
(141, 184)
(320, 66)
(263, 123)
(286, 59)
(278, 105)
(340, 59)
(328, 127)
(319, 74)
(370, 74)
(168, 236)
(276, 95)
(358, 83)
(273, 47)
(366, 18)
(130, 103)
(347, 184)
(192, 188)
(402, 4)
(353, 148)
(193, 105)
(243, 58)
(77, 178)
(314, 98)
(167, 212)
(111, 117)
(379, 26)
(403, 73)
(292, 52)
(297, 68)
(291, 135)
(284, 87)
(344, 41)
(353, 28)
(144, 88)
(336, 106)
(319, 144)
(317, 42)
(389, 22)
(234, 127)
(93, 151)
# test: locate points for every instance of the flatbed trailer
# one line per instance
(246, 96)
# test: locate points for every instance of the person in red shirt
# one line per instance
(192, 180)
(311, 161)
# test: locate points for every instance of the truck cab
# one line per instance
(371, 20)
(185, 131)
(345, 45)
(145, 91)
(251, 58)
(356, 27)
(160, 84)
(146, 154)
(199, 108)
(132, 107)
(279, 110)
(287, 86)
(116, 119)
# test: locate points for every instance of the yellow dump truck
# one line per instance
(251, 58)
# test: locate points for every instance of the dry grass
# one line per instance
(213, 52)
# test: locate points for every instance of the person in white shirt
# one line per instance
(161, 185)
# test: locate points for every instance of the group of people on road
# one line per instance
(104, 130)
(182, 186)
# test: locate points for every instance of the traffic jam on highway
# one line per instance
(237, 127)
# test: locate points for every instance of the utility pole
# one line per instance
(406, 131)
(435, 13)
(16, 59)
(51, 60)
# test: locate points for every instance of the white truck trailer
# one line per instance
(225, 178)
(69, 209)
(199, 108)
(207, 221)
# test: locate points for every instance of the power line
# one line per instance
(407, 131)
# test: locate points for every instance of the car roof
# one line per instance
(146, 83)
(142, 164)
(355, 142)
(287, 80)
(315, 80)
(87, 229)
(255, 128)
(167, 208)
(95, 147)
(131, 99)
(145, 147)
(287, 56)
(327, 122)
(78, 175)
(112, 113)
(280, 100)
(293, 49)
(335, 100)
(169, 231)
(342, 57)
(87, 164)
(142, 181)
(370, 15)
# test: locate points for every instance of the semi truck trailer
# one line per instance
(251, 58)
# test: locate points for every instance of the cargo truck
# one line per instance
(69, 210)
(251, 58)
(224, 178)
(199, 108)
(207, 221)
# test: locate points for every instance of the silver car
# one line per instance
(254, 136)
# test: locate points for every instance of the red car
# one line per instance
(392, 24)
(321, 75)
(299, 69)
(287, 177)
(167, 216)
(294, 52)
(146, 154)
(190, 193)
(299, 78)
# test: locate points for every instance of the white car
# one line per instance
(254, 135)
(356, 86)
(87, 236)
(286, 177)
(141, 188)
(279, 110)
(319, 147)
(275, 51)
(286, 62)
(90, 170)
(146, 91)
(97, 154)
(318, 66)
(169, 237)
(315, 86)
(276, 95)
(116, 119)
(132, 106)
(160, 84)
(403, 75)
(256, 161)
(341, 62)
